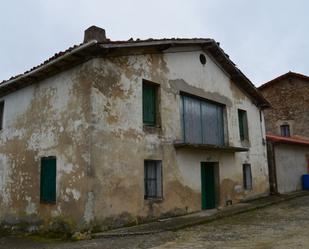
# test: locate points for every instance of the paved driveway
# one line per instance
(284, 226)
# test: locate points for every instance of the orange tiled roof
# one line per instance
(288, 140)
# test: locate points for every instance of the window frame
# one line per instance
(221, 119)
(285, 132)
(246, 185)
(243, 125)
(159, 185)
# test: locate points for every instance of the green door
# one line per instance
(208, 186)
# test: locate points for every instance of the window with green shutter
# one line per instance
(48, 180)
(149, 103)
(243, 125)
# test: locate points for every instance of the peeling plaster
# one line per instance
(74, 193)
(89, 208)
(181, 86)
(31, 207)
(90, 118)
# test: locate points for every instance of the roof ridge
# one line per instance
(108, 41)
(78, 54)
(282, 76)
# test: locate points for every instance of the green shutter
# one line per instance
(149, 104)
(48, 179)
(241, 125)
(245, 122)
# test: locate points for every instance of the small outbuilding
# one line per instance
(288, 160)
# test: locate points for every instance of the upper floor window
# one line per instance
(285, 130)
(150, 103)
(243, 125)
(202, 121)
(1, 114)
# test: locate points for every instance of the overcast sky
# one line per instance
(265, 38)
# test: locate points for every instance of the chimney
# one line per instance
(95, 33)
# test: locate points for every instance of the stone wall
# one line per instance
(290, 105)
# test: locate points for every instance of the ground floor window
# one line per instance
(153, 179)
(48, 180)
(247, 176)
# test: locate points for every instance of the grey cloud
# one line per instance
(264, 38)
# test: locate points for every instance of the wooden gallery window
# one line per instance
(1, 114)
(150, 103)
(247, 176)
(202, 121)
(153, 179)
(48, 180)
(243, 125)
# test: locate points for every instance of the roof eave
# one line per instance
(74, 57)
(236, 75)
(93, 49)
(284, 140)
(283, 77)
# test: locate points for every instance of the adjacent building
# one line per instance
(288, 162)
(287, 125)
(289, 98)
(118, 132)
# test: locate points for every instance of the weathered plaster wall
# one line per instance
(121, 143)
(90, 118)
(49, 118)
(290, 105)
(291, 164)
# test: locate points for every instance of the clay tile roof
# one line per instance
(108, 42)
(80, 53)
(288, 140)
(56, 55)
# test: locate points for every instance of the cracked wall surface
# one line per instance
(120, 143)
(50, 118)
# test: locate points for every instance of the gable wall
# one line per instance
(120, 143)
(289, 99)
